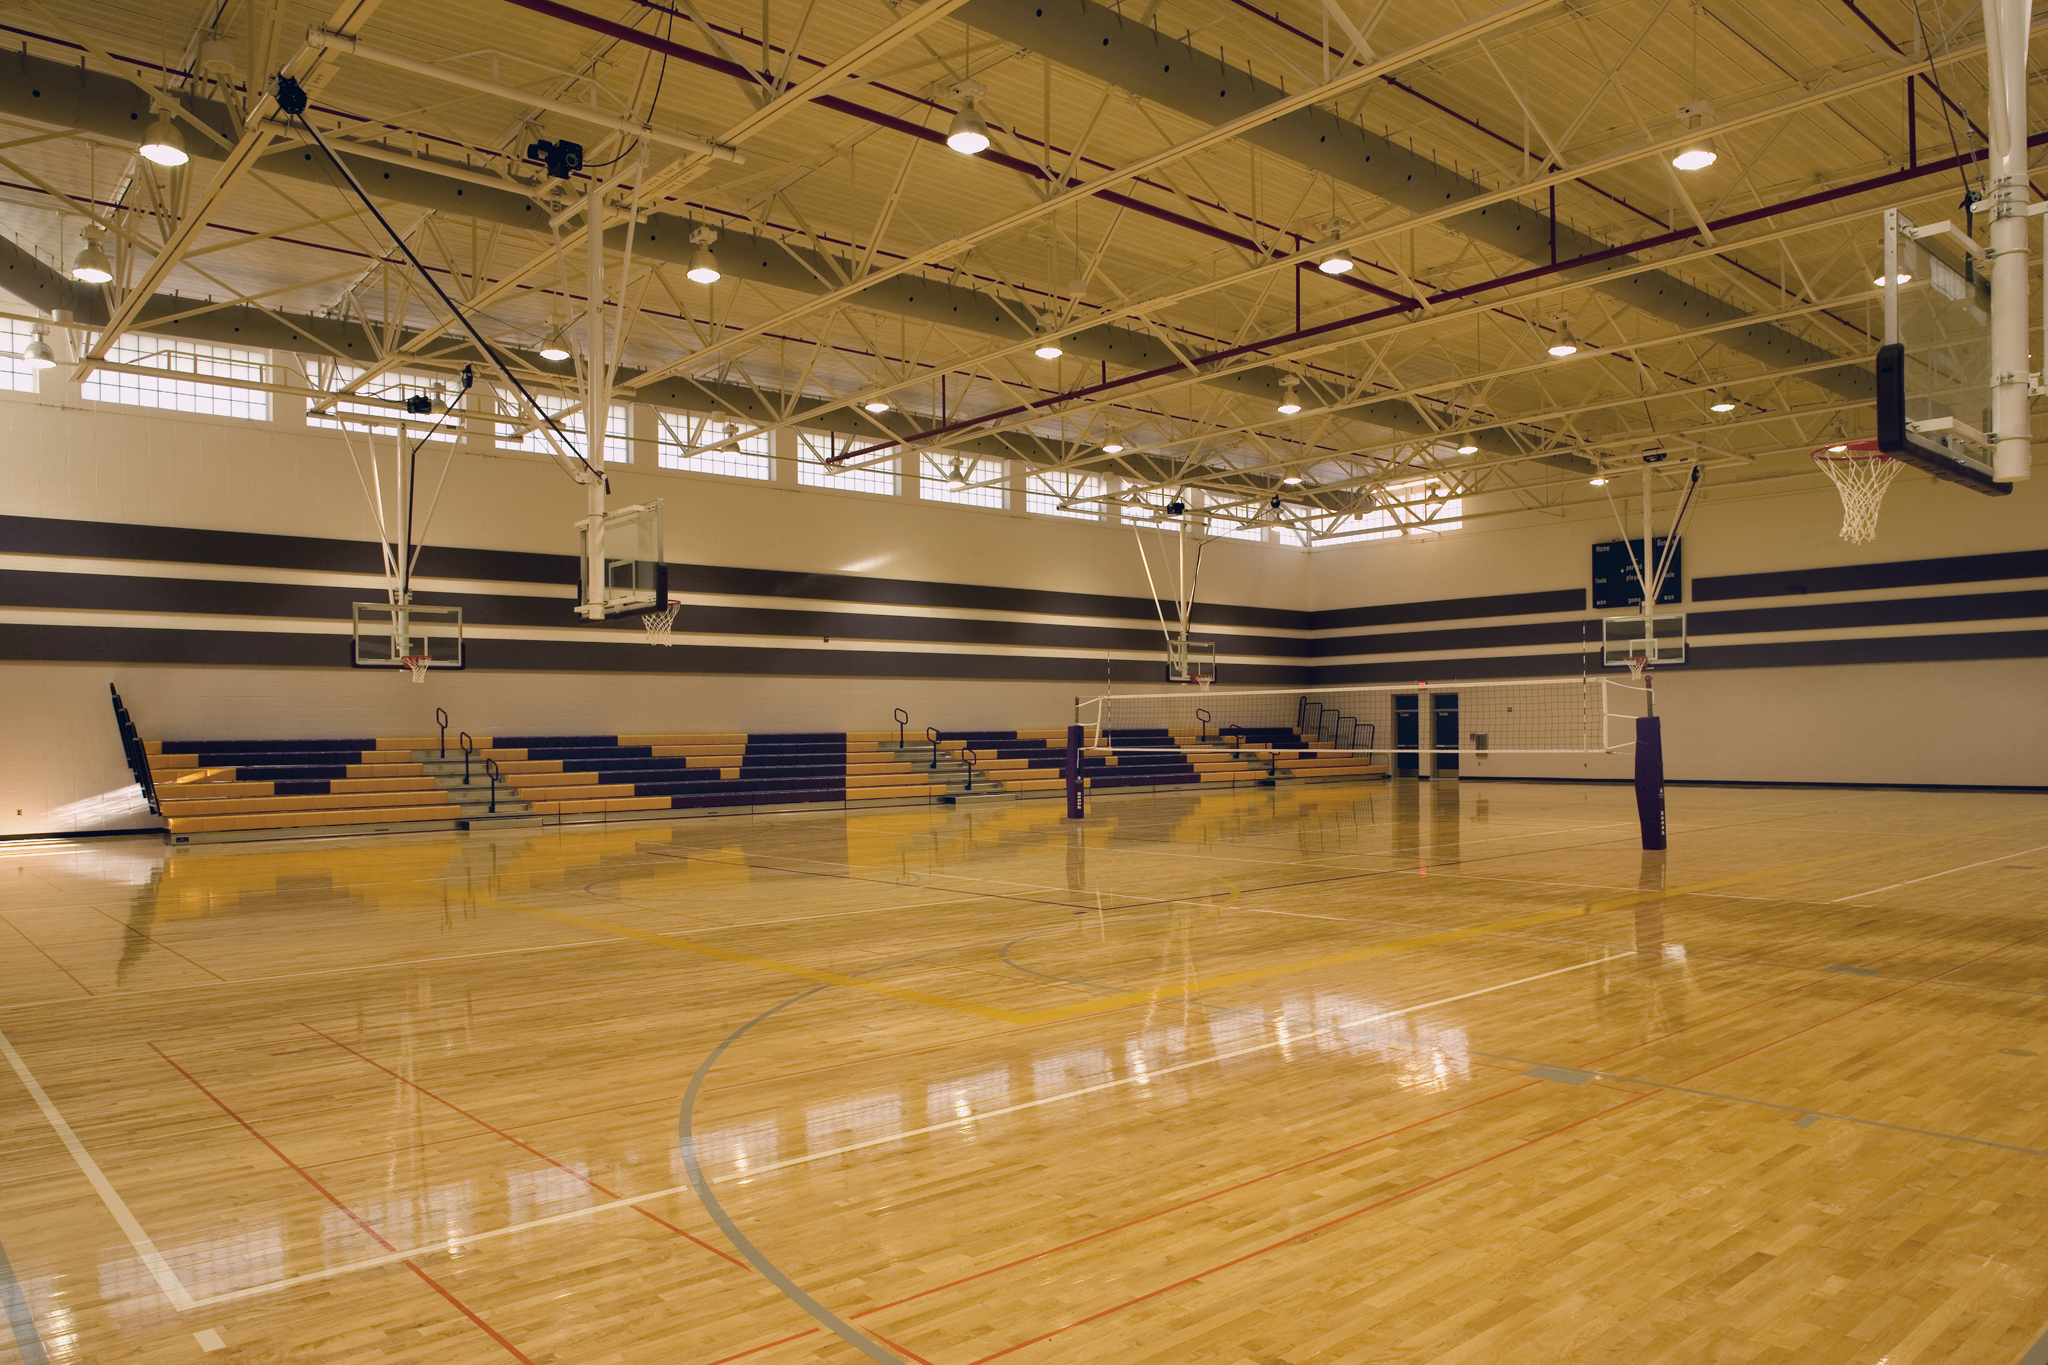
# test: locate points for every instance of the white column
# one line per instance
(2006, 23)
(788, 450)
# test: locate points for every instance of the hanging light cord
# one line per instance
(291, 98)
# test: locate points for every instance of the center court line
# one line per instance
(159, 1268)
(1932, 875)
(468, 1239)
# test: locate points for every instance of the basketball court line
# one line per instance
(21, 1320)
(469, 1239)
(1433, 1181)
(158, 1267)
(350, 1213)
(118, 996)
(1127, 999)
(1932, 875)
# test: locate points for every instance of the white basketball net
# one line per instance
(1860, 476)
(658, 623)
(416, 664)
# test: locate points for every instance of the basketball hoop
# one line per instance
(1636, 664)
(1860, 472)
(658, 623)
(416, 664)
(1202, 680)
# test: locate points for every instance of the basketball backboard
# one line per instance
(1934, 371)
(1657, 639)
(1190, 660)
(388, 634)
(635, 574)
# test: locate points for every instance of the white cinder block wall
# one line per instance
(1972, 722)
(60, 767)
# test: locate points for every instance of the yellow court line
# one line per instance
(1125, 999)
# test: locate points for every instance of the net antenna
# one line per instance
(1187, 660)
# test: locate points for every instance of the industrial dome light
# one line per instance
(1563, 343)
(37, 355)
(91, 264)
(1047, 349)
(968, 134)
(1292, 480)
(1901, 278)
(876, 405)
(1290, 401)
(1598, 481)
(1723, 406)
(704, 262)
(164, 144)
(1468, 449)
(555, 345)
(1698, 153)
(1114, 445)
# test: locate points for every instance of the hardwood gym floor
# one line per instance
(1369, 1073)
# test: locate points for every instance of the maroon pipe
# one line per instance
(1445, 296)
(668, 47)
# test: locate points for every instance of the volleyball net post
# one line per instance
(1412, 727)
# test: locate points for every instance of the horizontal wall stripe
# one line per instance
(1904, 573)
(114, 540)
(1892, 611)
(108, 644)
(213, 597)
(2016, 644)
(1454, 609)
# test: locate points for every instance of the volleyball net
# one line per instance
(1514, 716)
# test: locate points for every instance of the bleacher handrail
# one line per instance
(491, 769)
(902, 720)
(931, 732)
(468, 751)
(134, 753)
(441, 719)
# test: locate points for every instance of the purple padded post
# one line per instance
(1075, 806)
(1650, 779)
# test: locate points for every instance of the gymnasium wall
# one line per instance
(1921, 657)
(206, 566)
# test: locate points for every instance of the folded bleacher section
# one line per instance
(250, 788)
(228, 786)
(620, 774)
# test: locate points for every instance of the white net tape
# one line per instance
(1540, 716)
(658, 623)
(416, 665)
(1860, 476)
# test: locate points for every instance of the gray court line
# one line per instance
(19, 1317)
(1551, 1071)
(769, 1271)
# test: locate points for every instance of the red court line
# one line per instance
(525, 1147)
(128, 928)
(329, 1195)
(1508, 1151)
(1323, 1226)
(676, 1096)
(53, 961)
(1339, 1151)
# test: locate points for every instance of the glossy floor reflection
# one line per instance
(1387, 1072)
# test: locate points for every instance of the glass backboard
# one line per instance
(389, 633)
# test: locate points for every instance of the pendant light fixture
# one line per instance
(1290, 401)
(37, 355)
(164, 144)
(703, 261)
(555, 345)
(968, 133)
(91, 264)
(1562, 342)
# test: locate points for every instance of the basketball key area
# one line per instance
(994, 1083)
